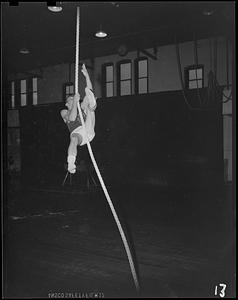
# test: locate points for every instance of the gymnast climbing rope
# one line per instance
(128, 252)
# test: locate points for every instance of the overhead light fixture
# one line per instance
(208, 12)
(100, 33)
(116, 4)
(56, 8)
(24, 51)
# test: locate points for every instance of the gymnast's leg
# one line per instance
(89, 105)
(75, 140)
(90, 123)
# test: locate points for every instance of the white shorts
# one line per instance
(80, 130)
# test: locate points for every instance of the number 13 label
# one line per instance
(222, 288)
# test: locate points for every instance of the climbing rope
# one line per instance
(128, 252)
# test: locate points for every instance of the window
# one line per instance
(68, 90)
(124, 78)
(34, 91)
(141, 75)
(108, 82)
(23, 92)
(194, 77)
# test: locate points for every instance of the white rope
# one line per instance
(77, 54)
(128, 252)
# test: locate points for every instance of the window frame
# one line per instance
(69, 83)
(32, 92)
(186, 76)
(17, 92)
(136, 65)
(25, 93)
(104, 77)
(121, 62)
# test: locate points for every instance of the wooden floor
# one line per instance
(68, 243)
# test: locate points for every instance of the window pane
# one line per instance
(67, 89)
(195, 73)
(34, 84)
(23, 86)
(109, 89)
(142, 88)
(142, 68)
(71, 89)
(12, 101)
(200, 83)
(191, 74)
(125, 87)
(23, 99)
(109, 73)
(125, 71)
(193, 84)
(199, 73)
(35, 98)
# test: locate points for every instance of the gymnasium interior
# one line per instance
(151, 209)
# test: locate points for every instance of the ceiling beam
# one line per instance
(147, 53)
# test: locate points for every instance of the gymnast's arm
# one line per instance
(88, 81)
(64, 113)
(71, 114)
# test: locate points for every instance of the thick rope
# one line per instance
(227, 64)
(128, 252)
(77, 55)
